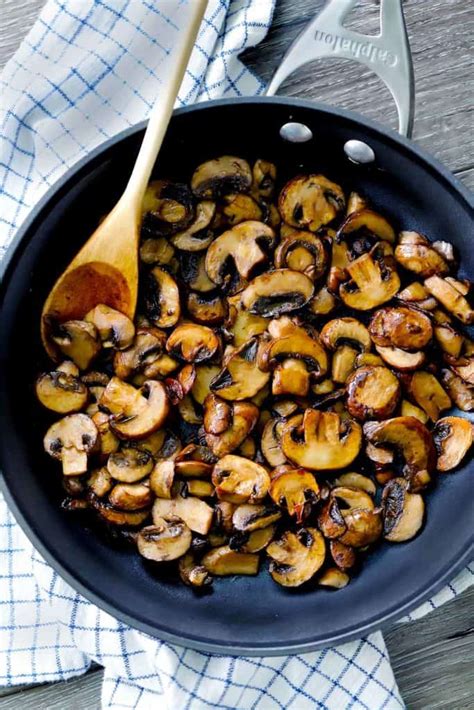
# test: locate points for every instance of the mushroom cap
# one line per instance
(129, 465)
(167, 539)
(453, 439)
(243, 246)
(196, 513)
(239, 480)
(60, 392)
(192, 343)
(70, 440)
(196, 237)
(310, 201)
(115, 329)
(373, 392)
(136, 413)
(370, 222)
(401, 327)
(161, 298)
(219, 176)
(296, 557)
(277, 292)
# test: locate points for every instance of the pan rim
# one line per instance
(74, 577)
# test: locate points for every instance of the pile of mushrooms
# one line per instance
(285, 389)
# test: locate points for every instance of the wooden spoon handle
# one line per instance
(162, 110)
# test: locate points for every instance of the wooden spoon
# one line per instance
(106, 268)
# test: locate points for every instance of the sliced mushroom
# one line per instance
(453, 439)
(196, 513)
(277, 292)
(330, 520)
(69, 368)
(77, 340)
(374, 280)
(264, 176)
(401, 327)
(71, 440)
(356, 480)
(241, 420)
(343, 555)
(162, 479)
(167, 207)
(334, 578)
(187, 410)
(156, 251)
(241, 377)
(60, 392)
(346, 331)
(100, 482)
(115, 329)
(302, 251)
(239, 208)
(296, 490)
(239, 480)
(207, 309)
(167, 539)
(461, 393)
(198, 488)
(373, 392)
(136, 413)
(123, 518)
(204, 376)
(451, 298)
(296, 557)
(410, 437)
(247, 517)
(240, 248)
(192, 343)
(194, 274)
(364, 527)
(322, 303)
(297, 344)
(129, 465)
(411, 410)
(131, 496)
(321, 441)
(291, 377)
(222, 561)
(219, 176)
(355, 203)
(365, 227)
(270, 442)
(248, 448)
(253, 542)
(417, 295)
(403, 512)
(429, 394)
(108, 442)
(401, 359)
(146, 355)
(415, 253)
(450, 341)
(310, 201)
(242, 324)
(161, 298)
(197, 236)
(192, 573)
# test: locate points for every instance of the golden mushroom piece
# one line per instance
(373, 392)
(415, 253)
(227, 425)
(401, 327)
(369, 223)
(296, 557)
(453, 439)
(310, 201)
(403, 512)
(277, 292)
(451, 295)
(374, 280)
(78, 340)
(136, 413)
(61, 393)
(321, 441)
(241, 378)
(196, 237)
(192, 343)
(115, 329)
(219, 176)
(302, 251)
(296, 490)
(71, 440)
(238, 480)
(167, 539)
(162, 298)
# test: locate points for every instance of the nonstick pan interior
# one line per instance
(241, 615)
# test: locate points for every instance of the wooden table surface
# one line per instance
(433, 658)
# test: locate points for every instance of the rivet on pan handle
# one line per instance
(387, 54)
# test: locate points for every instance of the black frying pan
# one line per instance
(242, 615)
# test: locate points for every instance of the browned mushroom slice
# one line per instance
(365, 227)
(60, 392)
(291, 377)
(192, 573)
(401, 327)
(277, 292)
(255, 541)
(145, 355)
(192, 343)
(100, 482)
(220, 176)
(450, 341)
(364, 527)
(242, 324)
(368, 359)
(241, 377)
(321, 441)
(374, 280)
(453, 439)
(379, 455)
(417, 295)
(298, 344)
(310, 201)
(195, 512)
(296, 557)
(334, 578)
(239, 420)
(410, 437)
(372, 393)
(429, 394)
(129, 465)
(242, 248)
(131, 496)
(126, 518)
(247, 517)
(401, 359)
(295, 490)
(461, 393)
(71, 440)
(156, 251)
(167, 539)
(204, 376)
(188, 411)
(330, 520)
(198, 488)
(403, 512)
(302, 251)
(196, 236)
(343, 555)
(115, 329)
(136, 413)
(69, 368)
(355, 203)
(322, 303)
(415, 253)
(239, 208)
(270, 442)
(207, 309)
(194, 274)
(346, 331)
(108, 442)
(161, 298)
(356, 480)
(191, 468)
(78, 340)
(451, 298)
(264, 176)
(239, 480)
(162, 478)
(408, 409)
(222, 561)
(166, 208)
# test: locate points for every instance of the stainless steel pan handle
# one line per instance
(387, 54)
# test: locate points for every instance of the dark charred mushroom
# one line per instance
(167, 207)
(161, 296)
(61, 393)
(461, 393)
(277, 292)
(71, 440)
(239, 208)
(113, 516)
(363, 229)
(415, 253)
(372, 393)
(136, 413)
(100, 482)
(343, 555)
(264, 176)
(192, 343)
(194, 274)
(220, 176)
(453, 439)
(321, 441)
(115, 329)
(296, 557)
(310, 201)
(156, 251)
(167, 539)
(403, 512)
(239, 480)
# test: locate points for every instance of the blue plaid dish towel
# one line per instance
(87, 70)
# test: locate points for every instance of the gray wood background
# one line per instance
(433, 658)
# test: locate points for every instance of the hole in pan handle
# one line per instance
(387, 54)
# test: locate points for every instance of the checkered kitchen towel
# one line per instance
(87, 70)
